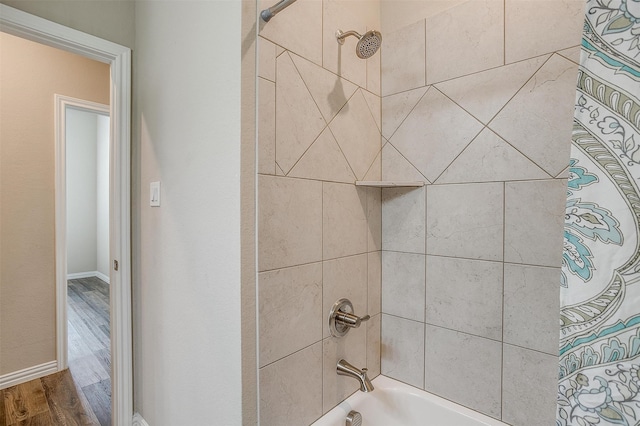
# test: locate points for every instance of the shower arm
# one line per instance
(341, 35)
(267, 14)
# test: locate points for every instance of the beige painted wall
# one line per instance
(30, 75)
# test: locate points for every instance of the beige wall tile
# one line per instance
(396, 14)
(483, 94)
(465, 295)
(344, 278)
(396, 168)
(324, 161)
(266, 59)
(266, 127)
(465, 39)
(374, 74)
(329, 91)
(534, 27)
(395, 108)
(284, 397)
(374, 292)
(297, 28)
(344, 220)
(298, 119)
(526, 122)
(465, 220)
(464, 368)
(538, 373)
(534, 218)
(403, 223)
(572, 54)
(290, 310)
(374, 103)
(489, 159)
(434, 133)
(342, 59)
(375, 171)
(531, 306)
(357, 134)
(289, 222)
(373, 345)
(374, 219)
(403, 59)
(402, 350)
(403, 285)
(353, 349)
(563, 174)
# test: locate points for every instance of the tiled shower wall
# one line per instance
(319, 236)
(478, 102)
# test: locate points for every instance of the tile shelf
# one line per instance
(389, 184)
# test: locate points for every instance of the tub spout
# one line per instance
(346, 369)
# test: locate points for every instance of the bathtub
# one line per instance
(393, 403)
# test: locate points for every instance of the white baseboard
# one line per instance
(138, 420)
(27, 374)
(102, 276)
(77, 275)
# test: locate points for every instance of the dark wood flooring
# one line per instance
(80, 395)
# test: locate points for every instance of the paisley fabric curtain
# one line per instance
(599, 377)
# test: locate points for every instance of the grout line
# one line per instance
(428, 182)
(504, 32)
(322, 304)
(410, 111)
(504, 236)
(426, 301)
(425, 51)
(545, 62)
(468, 334)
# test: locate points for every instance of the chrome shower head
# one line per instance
(368, 43)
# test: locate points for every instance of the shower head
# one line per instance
(368, 43)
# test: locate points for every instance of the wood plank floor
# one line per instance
(80, 395)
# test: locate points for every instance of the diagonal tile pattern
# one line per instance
(375, 106)
(485, 93)
(329, 91)
(434, 133)
(395, 109)
(324, 161)
(298, 119)
(537, 121)
(357, 134)
(396, 167)
(489, 158)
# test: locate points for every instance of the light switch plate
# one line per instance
(154, 194)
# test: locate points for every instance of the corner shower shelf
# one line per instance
(389, 184)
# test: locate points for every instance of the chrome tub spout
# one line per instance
(346, 369)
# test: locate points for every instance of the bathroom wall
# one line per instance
(478, 103)
(319, 236)
(187, 295)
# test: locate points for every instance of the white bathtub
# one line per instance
(393, 403)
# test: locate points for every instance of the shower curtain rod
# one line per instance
(267, 14)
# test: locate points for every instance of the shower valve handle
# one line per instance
(351, 320)
(342, 319)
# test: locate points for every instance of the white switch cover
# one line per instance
(154, 194)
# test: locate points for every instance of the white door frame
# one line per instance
(61, 104)
(21, 24)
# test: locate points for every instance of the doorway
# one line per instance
(24, 25)
(86, 145)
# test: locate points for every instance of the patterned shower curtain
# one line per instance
(599, 378)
